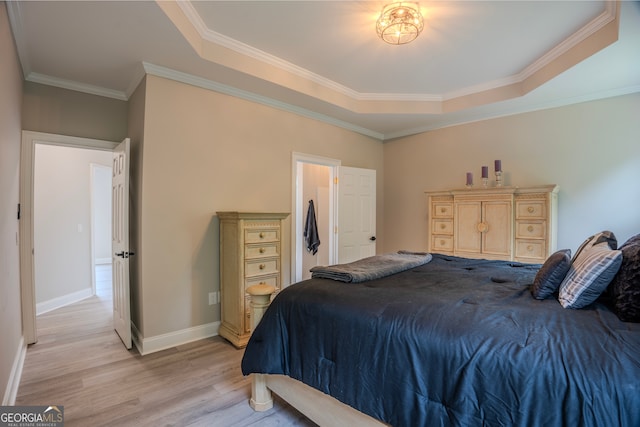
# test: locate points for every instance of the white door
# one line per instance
(356, 214)
(120, 242)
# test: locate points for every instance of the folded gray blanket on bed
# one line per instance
(371, 268)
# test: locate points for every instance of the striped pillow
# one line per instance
(590, 274)
(601, 237)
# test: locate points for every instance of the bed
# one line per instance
(453, 342)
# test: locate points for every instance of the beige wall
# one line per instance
(66, 112)
(206, 152)
(10, 103)
(591, 150)
(135, 132)
(101, 209)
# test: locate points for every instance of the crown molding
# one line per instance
(608, 15)
(78, 87)
(414, 97)
(605, 18)
(138, 76)
(15, 21)
(512, 111)
(159, 71)
(211, 36)
(208, 35)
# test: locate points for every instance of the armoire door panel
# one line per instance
(467, 236)
(496, 240)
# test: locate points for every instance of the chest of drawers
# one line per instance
(508, 223)
(250, 254)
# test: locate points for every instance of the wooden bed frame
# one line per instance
(319, 407)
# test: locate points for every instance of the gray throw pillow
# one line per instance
(551, 274)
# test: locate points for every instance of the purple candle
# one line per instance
(469, 178)
(485, 171)
(498, 165)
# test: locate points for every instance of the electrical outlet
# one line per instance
(214, 298)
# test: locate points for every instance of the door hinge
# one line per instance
(335, 180)
(18, 210)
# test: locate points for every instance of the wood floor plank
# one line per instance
(79, 362)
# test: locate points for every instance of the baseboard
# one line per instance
(11, 391)
(100, 261)
(172, 339)
(52, 304)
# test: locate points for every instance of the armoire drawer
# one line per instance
(273, 280)
(265, 250)
(531, 209)
(260, 267)
(532, 249)
(442, 210)
(442, 243)
(442, 226)
(261, 235)
(530, 230)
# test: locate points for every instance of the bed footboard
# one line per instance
(317, 406)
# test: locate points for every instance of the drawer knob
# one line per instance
(442, 226)
(482, 227)
(261, 266)
(530, 209)
(530, 228)
(530, 248)
(261, 250)
(261, 235)
(442, 242)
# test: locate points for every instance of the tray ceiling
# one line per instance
(322, 59)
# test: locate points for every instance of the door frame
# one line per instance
(297, 213)
(27, 170)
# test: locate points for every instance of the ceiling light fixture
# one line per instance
(400, 23)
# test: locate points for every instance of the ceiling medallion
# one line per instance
(400, 23)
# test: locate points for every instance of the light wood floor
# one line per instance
(79, 362)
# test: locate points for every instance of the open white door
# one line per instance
(120, 242)
(356, 213)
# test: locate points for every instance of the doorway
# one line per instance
(347, 199)
(313, 178)
(30, 142)
(72, 222)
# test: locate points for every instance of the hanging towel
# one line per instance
(311, 230)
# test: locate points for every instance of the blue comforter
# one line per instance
(455, 342)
